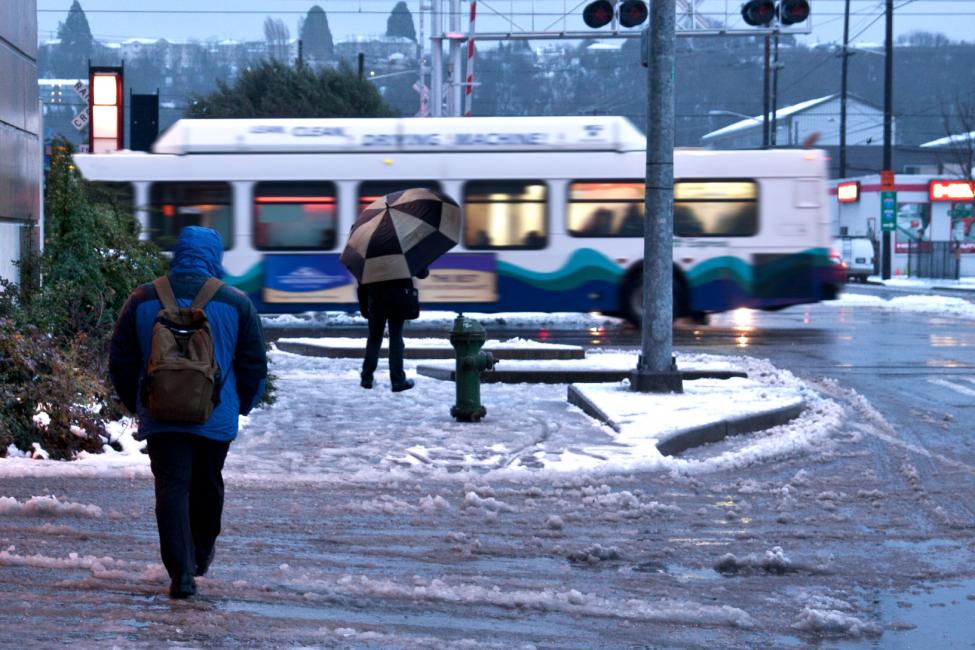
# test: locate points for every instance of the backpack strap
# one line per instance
(207, 292)
(164, 291)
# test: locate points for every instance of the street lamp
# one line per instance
(734, 114)
(757, 120)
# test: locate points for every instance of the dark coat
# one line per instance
(237, 337)
(374, 297)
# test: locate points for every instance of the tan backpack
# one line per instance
(182, 376)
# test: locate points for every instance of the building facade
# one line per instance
(20, 129)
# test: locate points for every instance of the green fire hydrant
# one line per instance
(468, 337)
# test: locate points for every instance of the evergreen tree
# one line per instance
(400, 22)
(316, 37)
(77, 44)
(273, 89)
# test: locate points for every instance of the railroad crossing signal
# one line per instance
(761, 13)
(600, 13)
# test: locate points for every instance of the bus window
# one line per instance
(505, 214)
(718, 208)
(606, 208)
(173, 206)
(372, 190)
(294, 216)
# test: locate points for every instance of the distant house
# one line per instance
(794, 124)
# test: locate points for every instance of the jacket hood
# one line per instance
(198, 251)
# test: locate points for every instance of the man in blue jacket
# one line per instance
(187, 459)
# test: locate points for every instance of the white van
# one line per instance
(857, 254)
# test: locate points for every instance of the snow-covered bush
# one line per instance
(42, 389)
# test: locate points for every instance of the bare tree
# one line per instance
(277, 35)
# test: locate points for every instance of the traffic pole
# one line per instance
(656, 369)
(888, 131)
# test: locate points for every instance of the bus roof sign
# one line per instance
(401, 135)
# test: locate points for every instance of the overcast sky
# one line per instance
(114, 20)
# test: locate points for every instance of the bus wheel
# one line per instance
(633, 298)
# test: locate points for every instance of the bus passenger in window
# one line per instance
(632, 225)
(600, 223)
(482, 239)
(534, 239)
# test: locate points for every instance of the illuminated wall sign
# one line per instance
(848, 192)
(105, 103)
(956, 190)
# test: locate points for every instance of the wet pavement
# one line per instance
(867, 541)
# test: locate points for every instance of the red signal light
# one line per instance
(758, 12)
(598, 14)
(633, 13)
(793, 11)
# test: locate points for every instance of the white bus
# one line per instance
(552, 207)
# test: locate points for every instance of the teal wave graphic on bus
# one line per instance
(585, 265)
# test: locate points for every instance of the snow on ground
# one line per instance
(445, 319)
(923, 283)
(348, 343)
(325, 428)
(49, 505)
(925, 304)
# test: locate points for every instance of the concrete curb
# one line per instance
(684, 439)
(565, 375)
(511, 354)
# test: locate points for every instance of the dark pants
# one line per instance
(189, 497)
(377, 323)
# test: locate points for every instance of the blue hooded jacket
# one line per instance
(238, 339)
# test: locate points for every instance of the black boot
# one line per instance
(366, 381)
(182, 587)
(399, 386)
(203, 565)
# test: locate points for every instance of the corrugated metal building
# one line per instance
(20, 128)
(864, 126)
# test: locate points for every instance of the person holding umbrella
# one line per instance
(395, 302)
(396, 238)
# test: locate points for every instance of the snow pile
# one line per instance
(624, 503)
(569, 601)
(594, 554)
(773, 561)
(834, 622)
(918, 304)
(105, 568)
(49, 506)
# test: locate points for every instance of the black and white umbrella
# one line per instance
(400, 234)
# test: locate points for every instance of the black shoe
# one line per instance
(182, 587)
(203, 565)
(366, 381)
(400, 386)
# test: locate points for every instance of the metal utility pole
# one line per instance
(888, 110)
(656, 369)
(773, 136)
(455, 98)
(765, 91)
(436, 59)
(843, 87)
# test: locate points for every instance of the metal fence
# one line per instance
(933, 259)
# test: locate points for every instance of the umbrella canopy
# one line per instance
(400, 234)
